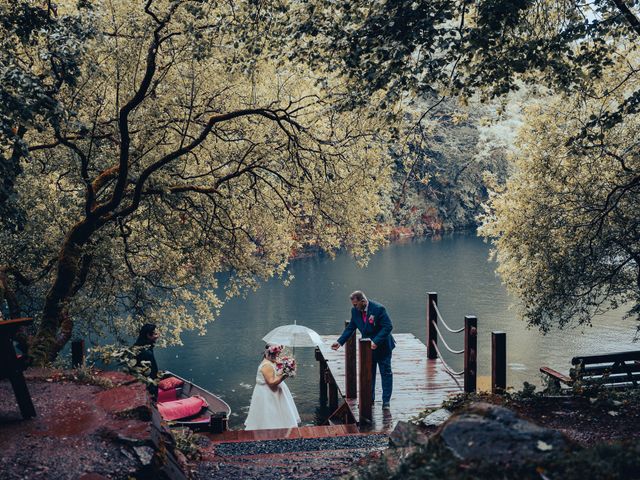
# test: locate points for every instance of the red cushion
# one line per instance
(167, 395)
(169, 383)
(185, 407)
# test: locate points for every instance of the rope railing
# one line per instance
(435, 306)
(455, 352)
(446, 366)
(469, 352)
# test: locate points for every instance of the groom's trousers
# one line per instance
(386, 376)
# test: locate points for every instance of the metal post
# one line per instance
(498, 362)
(77, 353)
(470, 353)
(365, 399)
(350, 371)
(432, 319)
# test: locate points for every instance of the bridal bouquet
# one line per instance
(287, 366)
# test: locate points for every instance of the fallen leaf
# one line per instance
(544, 446)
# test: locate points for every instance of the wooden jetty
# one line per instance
(418, 383)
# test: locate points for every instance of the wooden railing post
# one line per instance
(498, 362)
(351, 368)
(77, 353)
(333, 395)
(470, 353)
(365, 399)
(323, 380)
(432, 319)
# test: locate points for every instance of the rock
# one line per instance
(145, 454)
(405, 435)
(491, 433)
(437, 418)
(128, 454)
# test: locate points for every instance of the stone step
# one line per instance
(283, 433)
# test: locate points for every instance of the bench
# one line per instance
(615, 370)
(12, 365)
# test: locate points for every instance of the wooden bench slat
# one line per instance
(610, 369)
(606, 358)
(621, 369)
(556, 375)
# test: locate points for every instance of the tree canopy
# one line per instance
(148, 146)
(566, 234)
(176, 152)
(565, 226)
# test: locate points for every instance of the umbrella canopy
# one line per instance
(293, 336)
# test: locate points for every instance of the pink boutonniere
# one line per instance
(371, 319)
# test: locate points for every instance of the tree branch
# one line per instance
(631, 19)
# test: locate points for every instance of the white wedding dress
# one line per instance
(271, 408)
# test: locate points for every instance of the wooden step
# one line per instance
(283, 433)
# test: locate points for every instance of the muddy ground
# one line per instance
(81, 431)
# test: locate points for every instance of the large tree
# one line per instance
(178, 152)
(566, 227)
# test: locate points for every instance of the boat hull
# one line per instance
(213, 419)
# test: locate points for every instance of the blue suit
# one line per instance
(380, 333)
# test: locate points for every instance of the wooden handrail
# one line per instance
(16, 322)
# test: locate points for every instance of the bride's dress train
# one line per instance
(271, 408)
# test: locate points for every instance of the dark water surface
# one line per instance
(225, 360)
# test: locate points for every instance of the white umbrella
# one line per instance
(293, 336)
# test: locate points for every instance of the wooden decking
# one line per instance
(418, 383)
(283, 433)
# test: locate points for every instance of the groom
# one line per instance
(373, 322)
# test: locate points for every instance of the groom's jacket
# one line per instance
(378, 328)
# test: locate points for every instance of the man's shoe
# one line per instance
(386, 406)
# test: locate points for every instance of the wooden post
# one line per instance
(218, 422)
(333, 395)
(498, 362)
(432, 319)
(470, 353)
(351, 368)
(323, 380)
(77, 353)
(11, 367)
(365, 399)
(19, 384)
(13, 371)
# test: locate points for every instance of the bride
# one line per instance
(272, 405)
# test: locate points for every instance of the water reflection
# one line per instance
(225, 360)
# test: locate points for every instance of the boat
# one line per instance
(213, 416)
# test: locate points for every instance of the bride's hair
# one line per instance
(272, 351)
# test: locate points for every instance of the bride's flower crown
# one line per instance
(274, 349)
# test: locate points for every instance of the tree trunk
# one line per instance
(7, 293)
(56, 326)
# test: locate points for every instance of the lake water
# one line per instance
(225, 360)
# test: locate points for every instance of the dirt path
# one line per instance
(80, 431)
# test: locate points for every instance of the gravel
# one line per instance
(314, 458)
(302, 445)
